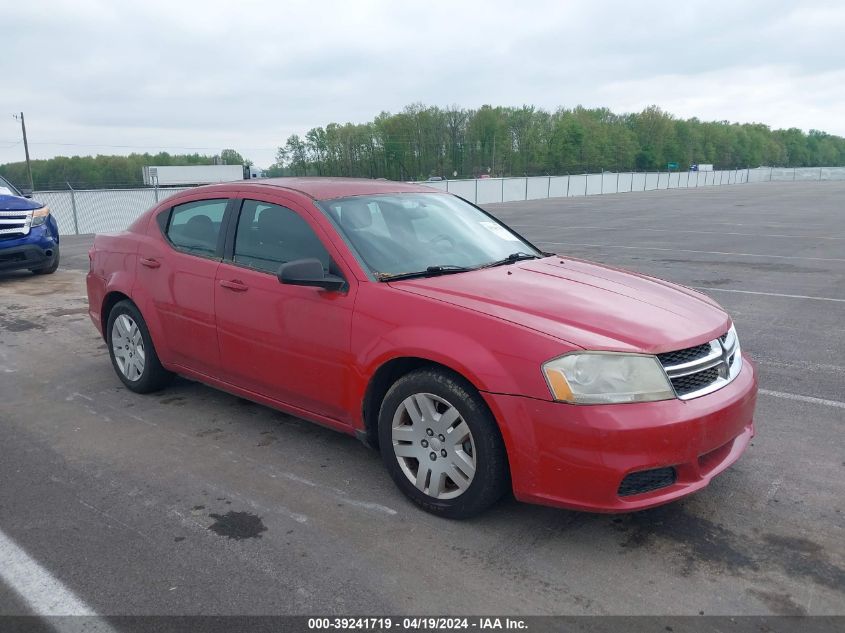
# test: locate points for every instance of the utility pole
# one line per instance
(26, 151)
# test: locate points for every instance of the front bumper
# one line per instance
(576, 456)
(35, 250)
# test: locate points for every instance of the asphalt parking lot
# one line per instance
(192, 501)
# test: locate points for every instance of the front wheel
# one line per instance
(133, 355)
(441, 445)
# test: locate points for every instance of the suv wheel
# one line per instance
(441, 444)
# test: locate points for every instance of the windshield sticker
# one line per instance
(500, 231)
(5, 191)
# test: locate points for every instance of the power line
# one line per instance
(158, 147)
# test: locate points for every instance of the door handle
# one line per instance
(234, 284)
(149, 262)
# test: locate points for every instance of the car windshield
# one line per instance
(6, 188)
(430, 233)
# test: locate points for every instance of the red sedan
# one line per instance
(424, 326)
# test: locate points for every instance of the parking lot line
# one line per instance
(794, 396)
(41, 591)
(686, 250)
(767, 294)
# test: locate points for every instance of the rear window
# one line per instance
(195, 226)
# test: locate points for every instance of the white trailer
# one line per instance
(162, 176)
(701, 167)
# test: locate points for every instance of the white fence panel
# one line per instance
(674, 180)
(609, 181)
(626, 181)
(489, 190)
(650, 181)
(577, 185)
(593, 184)
(833, 173)
(463, 188)
(638, 182)
(559, 187)
(538, 187)
(805, 173)
(513, 189)
(761, 174)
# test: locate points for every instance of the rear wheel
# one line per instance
(441, 445)
(133, 355)
(49, 270)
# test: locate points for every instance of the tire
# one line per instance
(49, 270)
(417, 420)
(129, 342)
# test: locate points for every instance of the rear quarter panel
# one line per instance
(112, 269)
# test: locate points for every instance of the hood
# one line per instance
(17, 203)
(585, 304)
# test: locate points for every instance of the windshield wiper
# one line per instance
(510, 259)
(431, 271)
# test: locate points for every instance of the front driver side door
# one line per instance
(288, 343)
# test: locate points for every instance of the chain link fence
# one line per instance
(107, 210)
(101, 210)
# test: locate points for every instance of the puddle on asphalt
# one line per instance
(237, 525)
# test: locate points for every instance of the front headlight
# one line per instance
(606, 378)
(39, 216)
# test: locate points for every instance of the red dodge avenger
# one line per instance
(425, 327)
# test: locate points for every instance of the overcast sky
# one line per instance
(111, 76)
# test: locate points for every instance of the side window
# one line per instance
(269, 235)
(195, 226)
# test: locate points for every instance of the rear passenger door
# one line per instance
(288, 343)
(178, 273)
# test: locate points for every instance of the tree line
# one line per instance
(103, 172)
(423, 141)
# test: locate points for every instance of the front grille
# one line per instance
(702, 369)
(646, 481)
(693, 382)
(684, 355)
(14, 223)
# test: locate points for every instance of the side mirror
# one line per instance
(26, 193)
(309, 272)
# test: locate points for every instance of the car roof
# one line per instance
(327, 188)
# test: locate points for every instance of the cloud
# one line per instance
(99, 76)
